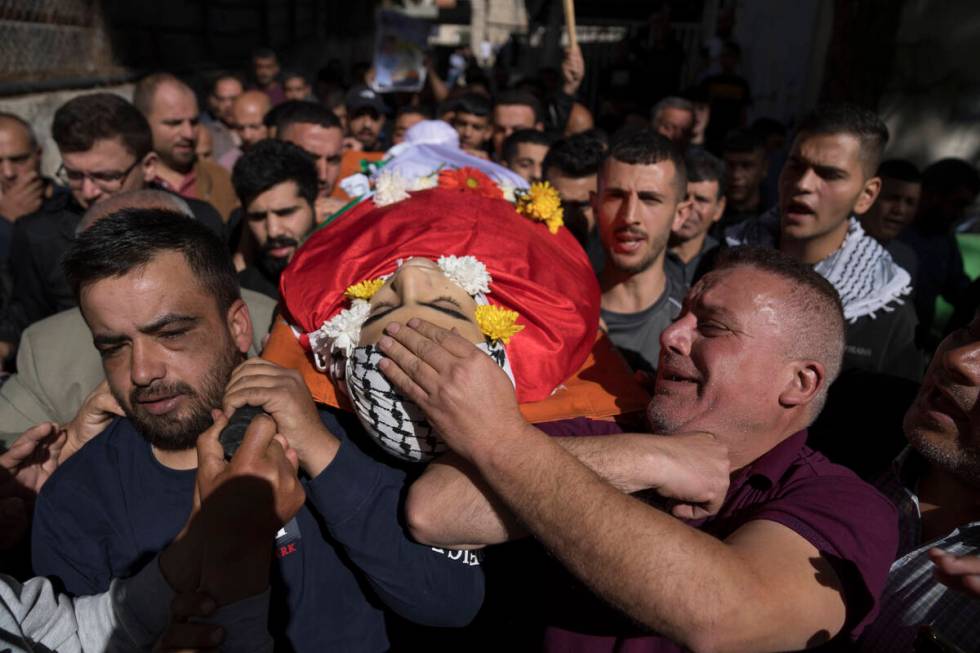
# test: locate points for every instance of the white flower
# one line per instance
(342, 331)
(425, 182)
(509, 191)
(467, 272)
(389, 188)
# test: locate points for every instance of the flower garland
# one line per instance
(343, 331)
(542, 203)
(470, 179)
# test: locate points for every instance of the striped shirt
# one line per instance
(913, 597)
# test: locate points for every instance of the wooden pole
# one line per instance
(570, 23)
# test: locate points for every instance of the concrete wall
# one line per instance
(932, 100)
(38, 109)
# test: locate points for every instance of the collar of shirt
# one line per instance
(186, 186)
(752, 483)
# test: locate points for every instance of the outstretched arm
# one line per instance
(657, 569)
(450, 505)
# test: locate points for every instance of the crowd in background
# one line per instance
(661, 187)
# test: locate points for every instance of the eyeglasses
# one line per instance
(109, 180)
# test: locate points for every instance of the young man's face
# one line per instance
(296, 88)
(894, 209)
(365, 126)
(707, 207)
(266, 69)
(279, 219)
(474, 131)
(675, 125)
(636, 208)
(173, 117)
(107, 168)
(403, 123)
(508, 118)
(222, 99)
(527, 161)
(325, 145)
(419, 288)
(822, 184)
(167, 349)
(575, 193)
(746, 171)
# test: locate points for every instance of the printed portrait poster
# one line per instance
(399, 52)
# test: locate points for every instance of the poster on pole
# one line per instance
(399, 52)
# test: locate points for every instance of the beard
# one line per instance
(657, 247)
(179, 432)
(274, 265)
(960, 461)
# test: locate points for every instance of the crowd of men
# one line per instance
(773, 291)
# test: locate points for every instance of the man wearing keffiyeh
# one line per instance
(828, 179)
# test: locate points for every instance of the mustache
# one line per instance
(159, 390)
(632, 231)
(279, 241)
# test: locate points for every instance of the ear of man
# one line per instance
(805, 381)
(240, 325)
(868, 195)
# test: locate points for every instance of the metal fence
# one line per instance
(52, 39)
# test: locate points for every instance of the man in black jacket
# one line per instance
(106, 148)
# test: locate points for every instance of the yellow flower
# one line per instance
(364, 289)
(542, 203)
(497, 323)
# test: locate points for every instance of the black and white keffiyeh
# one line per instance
(863, 272)
(396, 423)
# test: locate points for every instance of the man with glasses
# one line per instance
(106, 148)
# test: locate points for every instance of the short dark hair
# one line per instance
(765, 127)
(818, 311)
(644, 146)
(291, 74)
(264, 52)
(474, 103)
(81, 121)
(900, 170)
(294, 112)
(846, 118)
(948, 175)
(417, 109)
(532, 136)
(223, 75)
(704, 166)
(517, 96)
(743, 141)
(579, 155)
(130, 238)
(272, 162)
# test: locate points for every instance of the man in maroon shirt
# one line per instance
(799, 549)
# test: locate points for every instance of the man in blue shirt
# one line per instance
(161, 298)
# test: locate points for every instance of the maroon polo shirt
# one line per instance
(848, 521)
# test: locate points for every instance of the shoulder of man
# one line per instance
(57, 367)
(851, 523)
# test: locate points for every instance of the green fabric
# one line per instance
(969, 245)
